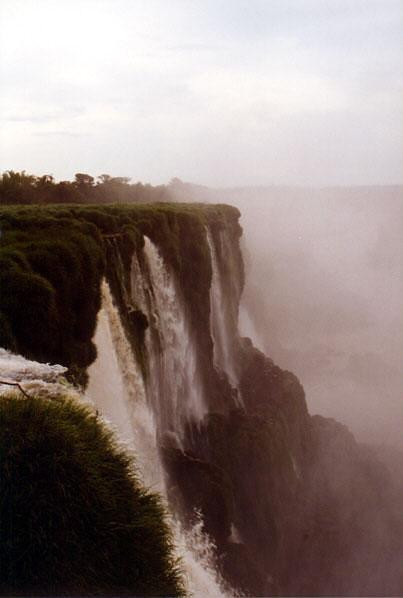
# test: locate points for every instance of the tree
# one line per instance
(82, 179)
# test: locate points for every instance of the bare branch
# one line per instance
(18, 385)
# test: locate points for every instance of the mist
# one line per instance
(323, 294)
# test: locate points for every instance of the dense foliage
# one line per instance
(23, 188)
(74, 519)
(52, 259)
(50, 270)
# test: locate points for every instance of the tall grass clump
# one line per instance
(74, 518)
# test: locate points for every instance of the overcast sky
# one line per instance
(220, 92)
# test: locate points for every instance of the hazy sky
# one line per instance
(218, 92)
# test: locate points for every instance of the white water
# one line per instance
(174, 382)
(117, 390)
(35, 378)
(224, 300)
(220, 332)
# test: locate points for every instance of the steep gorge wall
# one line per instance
(292, 503)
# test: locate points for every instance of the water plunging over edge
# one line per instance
(41, 380)
(174, 384)
(220, 306)
(116, 389)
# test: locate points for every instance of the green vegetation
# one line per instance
(74, 519)
(23, 188)
(52, 259)
(50, 270)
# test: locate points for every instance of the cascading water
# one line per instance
(174, 382)
(33, 378)
(116, 388)
(223, 310)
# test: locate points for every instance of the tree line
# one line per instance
(23, 188)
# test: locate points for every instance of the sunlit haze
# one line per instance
(219, 92)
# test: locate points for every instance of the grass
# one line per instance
(74, 518)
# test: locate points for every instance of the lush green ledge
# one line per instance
(52, 260)
(74, 518)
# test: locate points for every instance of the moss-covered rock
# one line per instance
(49, 286)
(53, 258)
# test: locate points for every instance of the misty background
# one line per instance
(323, 295)
(325, 289)
(271, 102)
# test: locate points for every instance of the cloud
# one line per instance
(41, 116)
(292, 91)
(59, 134)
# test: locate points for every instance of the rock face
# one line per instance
(315, 513)
(293, 504)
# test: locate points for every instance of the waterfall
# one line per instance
(39, 379)
(117, 390)
(174, 382)
(223, 308)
